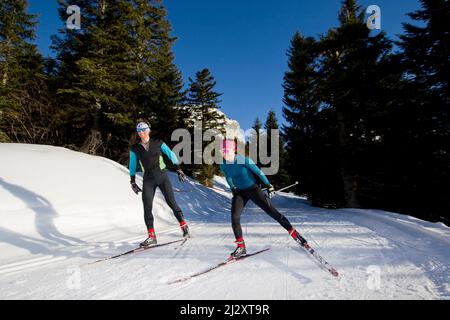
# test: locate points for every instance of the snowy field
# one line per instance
(60, 210)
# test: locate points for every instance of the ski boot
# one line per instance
(239, 251)
(298, 238)
(185, 229)
(150, 241)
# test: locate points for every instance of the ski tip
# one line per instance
(176, 281)
(181, 280)
(335, 273)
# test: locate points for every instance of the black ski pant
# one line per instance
(259, 198)
(152, 180)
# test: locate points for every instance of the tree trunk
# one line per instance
(92, 143)
(5, 70)
(94, 140)
(102, 6)
(349, 181)
(5, 75)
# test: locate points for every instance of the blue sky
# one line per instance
(242, 42)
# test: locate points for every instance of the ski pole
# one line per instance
(288, 187)
(285, 188)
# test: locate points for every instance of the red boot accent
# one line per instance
(151, 233)
(240, 242)
(293, 233)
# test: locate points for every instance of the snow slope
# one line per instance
(60, 210)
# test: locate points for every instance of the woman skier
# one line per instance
(149, 153)
(240, 173)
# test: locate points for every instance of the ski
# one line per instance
(222, 264)
(139, 249)
(180, 246)
(321, 261)
(183, 242)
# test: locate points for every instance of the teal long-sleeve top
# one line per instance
(241, 173)
(151, 159)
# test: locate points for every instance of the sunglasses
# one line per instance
(142, 130)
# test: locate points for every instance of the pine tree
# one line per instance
(118, 69)
(423, 146)
(338, 47)
(354, 76)
(281, 178)
(350, 13)
(26, 113)
(203, 103)
(301, 99)
(426, 49)
(161, 91)
(337, 96)
(16, 29)
(94, 72)
(19, 58)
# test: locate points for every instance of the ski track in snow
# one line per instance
(47, 239)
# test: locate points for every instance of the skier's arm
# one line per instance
(229, 179)
(133, 165)
(169, 153)
(230, 182)
(254, 168)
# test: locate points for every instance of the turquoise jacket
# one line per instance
(242, 173)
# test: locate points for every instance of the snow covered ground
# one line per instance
(60, 210)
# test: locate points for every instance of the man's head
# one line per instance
(143, 130)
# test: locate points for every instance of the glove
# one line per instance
(270, 191)
(134, 186)
(181, 176)
(234, 191)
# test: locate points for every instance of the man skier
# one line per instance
(241, 174)
(149, 153)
